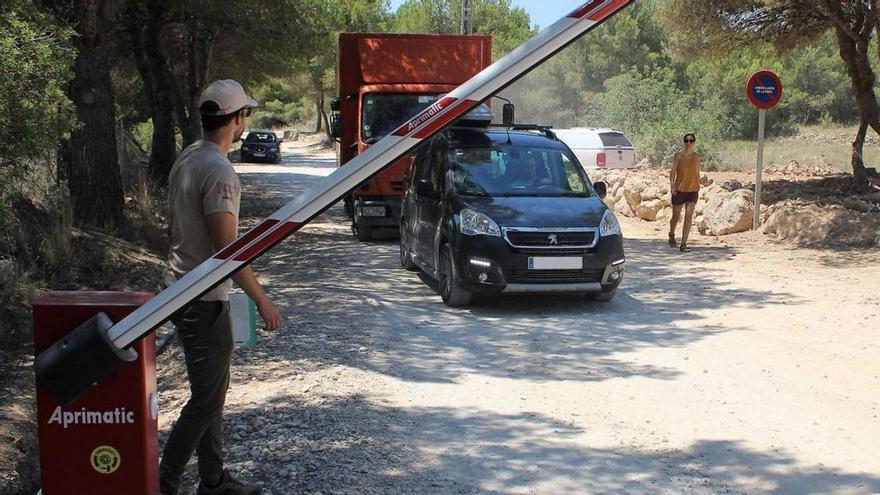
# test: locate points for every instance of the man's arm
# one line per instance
(223, 231)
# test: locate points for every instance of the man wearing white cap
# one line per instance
(204, 198)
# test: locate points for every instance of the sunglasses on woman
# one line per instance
(691, 141)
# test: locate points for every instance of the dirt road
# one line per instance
(742, 367)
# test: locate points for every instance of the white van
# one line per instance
(599, 148)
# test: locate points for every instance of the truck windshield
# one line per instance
(385, 112)
(516, 172)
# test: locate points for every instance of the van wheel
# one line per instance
(363, 234)
(450, 288)
(406, 261)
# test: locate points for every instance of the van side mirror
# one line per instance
(601, 189)
(335, 105)
(509, 114)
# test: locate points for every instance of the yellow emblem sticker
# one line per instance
(106, 459)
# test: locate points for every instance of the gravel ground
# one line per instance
(744, 367)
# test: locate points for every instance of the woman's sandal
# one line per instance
(684, 249)
(672, 242)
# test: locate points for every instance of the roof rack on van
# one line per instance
(544, 129)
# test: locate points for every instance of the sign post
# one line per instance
(764, 90)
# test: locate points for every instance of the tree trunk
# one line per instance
(94, 177)
(319, 107)
(858, 164)
(200, 58)
(854, 49)
(163, 150)
(325, 118)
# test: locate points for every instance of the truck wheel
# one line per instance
(450, 289)
(363, 234)
(406, 261)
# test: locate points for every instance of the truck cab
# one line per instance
(384, 80)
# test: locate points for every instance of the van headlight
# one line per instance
(474, 223)
(609, 224)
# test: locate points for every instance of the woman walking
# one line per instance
(684, 182)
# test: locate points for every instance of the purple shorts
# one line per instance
(685, 197)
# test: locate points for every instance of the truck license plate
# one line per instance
(568, 263)
(373, 211)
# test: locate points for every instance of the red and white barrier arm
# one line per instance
(334, 187)
(337, 185)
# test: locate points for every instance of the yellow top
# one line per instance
(687, 178)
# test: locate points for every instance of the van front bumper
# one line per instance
(490, 265)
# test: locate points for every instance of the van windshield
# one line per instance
(385, 112)
(484, 171)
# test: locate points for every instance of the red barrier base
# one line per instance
(106, 442)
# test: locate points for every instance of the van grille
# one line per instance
(551, 239)
(556, 276)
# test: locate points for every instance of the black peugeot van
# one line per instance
(490, 210)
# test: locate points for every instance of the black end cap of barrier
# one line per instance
(81, 359)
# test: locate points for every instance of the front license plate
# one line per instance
(567, 263)
(260, 155)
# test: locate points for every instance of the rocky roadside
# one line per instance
(804, 204)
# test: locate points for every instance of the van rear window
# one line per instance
(614, 139)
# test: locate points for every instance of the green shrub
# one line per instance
(656, 114)
(142, 133)
(36, 56)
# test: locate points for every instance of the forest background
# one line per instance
(97, 97)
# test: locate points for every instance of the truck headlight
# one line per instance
(609, 224)
(474, 223)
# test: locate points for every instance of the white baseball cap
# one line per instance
(228, 95)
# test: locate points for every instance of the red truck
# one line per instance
(383, 81)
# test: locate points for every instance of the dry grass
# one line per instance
(147, 217)
(830, 144)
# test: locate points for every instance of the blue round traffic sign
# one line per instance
(764, 89)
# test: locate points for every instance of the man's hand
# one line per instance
(270, 315)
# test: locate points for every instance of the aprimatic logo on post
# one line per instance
(764, 89)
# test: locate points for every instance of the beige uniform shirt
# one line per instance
(202, 182)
